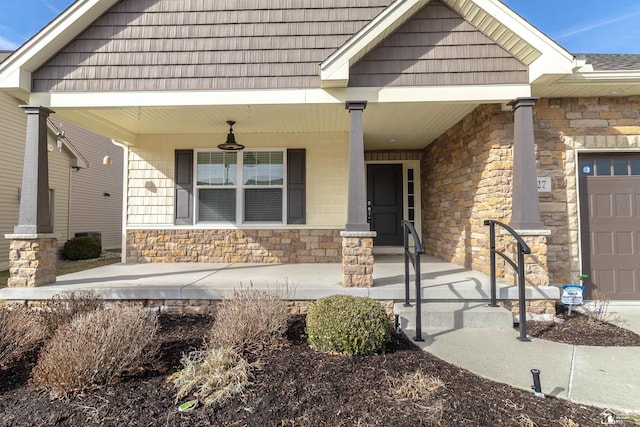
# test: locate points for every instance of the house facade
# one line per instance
(78, 180)
(354, 115)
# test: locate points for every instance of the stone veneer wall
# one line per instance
(564, 127)
(251, 245)
(467, 177)
(32, 261)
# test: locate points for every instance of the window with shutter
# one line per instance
(246, 187)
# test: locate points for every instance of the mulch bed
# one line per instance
(581, 329)
(296, 386)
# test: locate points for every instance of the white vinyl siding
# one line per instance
(151, 167)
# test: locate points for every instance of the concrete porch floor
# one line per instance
(440, 281)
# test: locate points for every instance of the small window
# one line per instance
(620, 167)
(603, 167)
(586, 167)
(635, 167)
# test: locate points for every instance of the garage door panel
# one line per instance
(610, 224)
(624, 243)
(603, 243)
(623, 205)
(627, 281)
(603, 208)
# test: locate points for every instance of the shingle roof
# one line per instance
(612, 62)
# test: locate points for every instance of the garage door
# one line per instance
(610, 224)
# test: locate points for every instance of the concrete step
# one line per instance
(455, 315)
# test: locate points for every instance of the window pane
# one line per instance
(215, 168)
(410, 188)
(620, 167)
(217, 204)
(263, 168)
(603, 167)
(586, 167)
(410, 174)
(263, 204)
(635, 167)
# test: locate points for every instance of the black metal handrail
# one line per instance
(523, 249)
(409, 229)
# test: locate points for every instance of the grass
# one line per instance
(67, 267)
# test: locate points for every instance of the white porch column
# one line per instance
(525, 210)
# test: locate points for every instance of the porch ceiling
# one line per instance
(386, 126)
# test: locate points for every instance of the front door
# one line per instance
(384, 203)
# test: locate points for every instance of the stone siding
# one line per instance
(357, 261)
(250, 246)
(32, 262)
(564, 127)
(467, 178)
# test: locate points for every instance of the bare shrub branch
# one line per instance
(20, 331)
(249, 321)
(63, 307)
(95, 348)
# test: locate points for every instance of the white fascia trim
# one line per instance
(604, 77)
(334, 71)
(15, 71)
(554, 59)
(481, 93)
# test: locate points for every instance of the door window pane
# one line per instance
(586, 167)
(620, 167)
(603, 167)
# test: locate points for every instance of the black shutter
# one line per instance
(184, 187)
(296, 186)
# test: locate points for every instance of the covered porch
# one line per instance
(191, 284)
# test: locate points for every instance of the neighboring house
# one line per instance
(441, 116)
(75, 174)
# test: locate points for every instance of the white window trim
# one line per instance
(239, 188)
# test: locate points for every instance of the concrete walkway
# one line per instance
(608, 377)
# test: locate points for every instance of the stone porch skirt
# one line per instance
(285, 246)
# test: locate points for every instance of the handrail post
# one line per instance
(405, 233)
(418, 336)
(492, 261)
(522, 315)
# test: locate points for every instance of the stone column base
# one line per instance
(32, 259)
(357, 258)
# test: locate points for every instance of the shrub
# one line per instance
(249, 321)
(63, 307)
(348, 324)
(20, 331)
(95, 348)
(82, 248)
(213, 375)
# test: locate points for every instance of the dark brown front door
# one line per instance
(610, 224)
(384, 199)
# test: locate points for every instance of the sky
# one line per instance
(580, 26)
